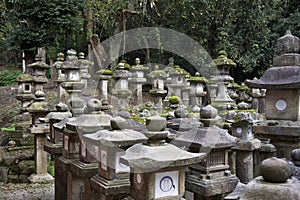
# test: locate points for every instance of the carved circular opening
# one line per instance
(280, 104)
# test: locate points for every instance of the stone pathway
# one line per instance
(26, 191)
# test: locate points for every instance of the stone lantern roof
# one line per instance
(197, 78)
(105, 72)
(119, 136)
(211, 137)
(156, 154)
(71, 60)
(38, 63)
(222, 60)
(280, 77)
(61, 113)
(24, 78)
(59, 62)
(286, 67)
(177, 70)
(89, 123)
(157, 73)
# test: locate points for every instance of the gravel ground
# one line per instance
(26, 191)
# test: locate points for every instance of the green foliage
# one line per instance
(50, 167)
(8, 77)
(247, 30)
(31, 24)
(11, 127)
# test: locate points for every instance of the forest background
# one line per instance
(246, 29)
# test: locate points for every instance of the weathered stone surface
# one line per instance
(156, 123)
(235, 194)
(212, 137)
(144, 158)
(13, 178)
(295, 154)
(116, 138)
(260, 189)
(276, 170)
(208, 112)
(23, 178)
(41, 178)
(26, 166)
(3, 174)
(119, 123)
(248, 145)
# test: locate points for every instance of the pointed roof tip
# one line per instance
(288, 32)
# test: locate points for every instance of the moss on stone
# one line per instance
(197, 79)
(105, 72)
(222, 60)
(158, 74)
(243, 87)
(174, 100)
(24, 78)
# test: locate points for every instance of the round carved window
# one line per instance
(280, 104)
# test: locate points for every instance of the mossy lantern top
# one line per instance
(223, 63)
(39, 69)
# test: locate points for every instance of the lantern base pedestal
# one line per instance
(110, 189)
(210, 188)
(41, 178)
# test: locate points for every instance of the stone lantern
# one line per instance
(84, 66)
(112, 180)
(60, 77)
(178, 82)
(232, 90)
(121, 90)
(138, 79)
(210, 178)
(282, 110)
(39, 69)
(25, 90)
(158, 90)
(73, 84)
(247, 145)
(243, 91)
(197, 90)
(70, 151)
(158, 168)
(86, 167)
(104, 77)
(54, 147)
(224, 64)
(223, 79)
(40, 130)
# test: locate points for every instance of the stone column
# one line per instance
(244, 159)
(40, 156)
